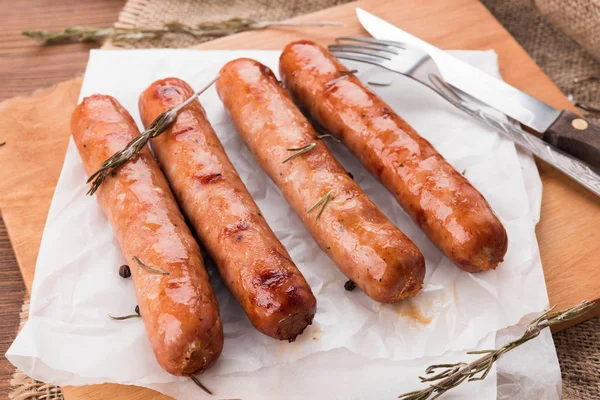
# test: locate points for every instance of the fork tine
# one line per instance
(382, 48)
(365, 52)
(398, 45)
(363, 59)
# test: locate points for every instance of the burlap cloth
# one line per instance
(578, 19)
(548, 42)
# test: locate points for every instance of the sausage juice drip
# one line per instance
(439, 199)
(253, 263)
(346, 224)
(178, 307)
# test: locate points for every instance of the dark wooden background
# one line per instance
(24, 67)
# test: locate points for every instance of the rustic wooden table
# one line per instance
(24, 67)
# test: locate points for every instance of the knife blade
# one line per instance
(560, 128)
(572, 167)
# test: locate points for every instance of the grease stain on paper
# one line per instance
(315, 333)
(454, 294)
(408, 309)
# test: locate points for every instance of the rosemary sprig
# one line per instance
(203, 30)
(158, 126)
(448, 376)
(154, 270)
(124, 317)
(299, 150)
(322, 202)
(200, 385)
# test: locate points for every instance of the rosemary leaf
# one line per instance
(154, 270)
(322, 202)
(481, 351)
(348, 72)
(124, 317)
(299, 151)
(322, 136)
(2, 144)
(200, 385)
(158, 126)
(379, 83)
(452, 375)
(202, 30)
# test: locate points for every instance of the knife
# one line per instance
(560, 128)
(572, 167)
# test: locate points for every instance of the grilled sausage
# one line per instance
(363, 243)
(253, 263)
(439, 199)
(179, 310)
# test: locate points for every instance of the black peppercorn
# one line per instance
(350, 175)
(124, 271)
(137, 310)
(349, 286)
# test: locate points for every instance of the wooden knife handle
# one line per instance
(576, 136)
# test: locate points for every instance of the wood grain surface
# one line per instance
(24, 64)
(12, 292)
(24, 67)
(567, 233)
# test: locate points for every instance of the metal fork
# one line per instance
(393, 56)
(415, 63)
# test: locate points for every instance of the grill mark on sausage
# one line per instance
(205, 179)
(181, 131)
(235, 230)
(270, 278)
(419, 216)
(166, 91)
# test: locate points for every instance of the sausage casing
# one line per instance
(441, 201)
(253, 263)
(363, 243)
(179, 310)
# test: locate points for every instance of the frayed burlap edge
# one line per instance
(22, 386)
(153, 14)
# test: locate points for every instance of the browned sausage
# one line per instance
(363, 243)
(439, 199)
(179, 310)
(253, 263)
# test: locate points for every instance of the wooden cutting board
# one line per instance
(568, 233)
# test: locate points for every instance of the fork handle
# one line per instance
(576, 136)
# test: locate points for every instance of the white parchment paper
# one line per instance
(69, 338)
